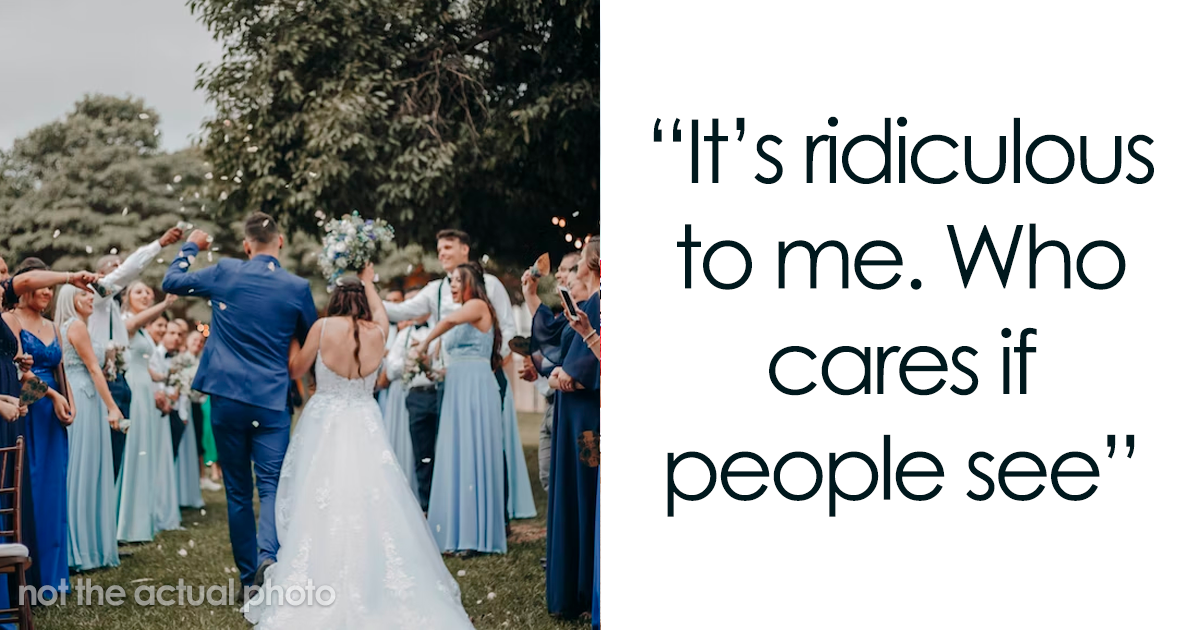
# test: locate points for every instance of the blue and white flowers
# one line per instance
(351, 242)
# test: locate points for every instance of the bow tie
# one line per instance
(424, 325)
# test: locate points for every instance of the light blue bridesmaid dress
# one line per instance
(147, 495)
(187, 465)
(91, 494)
(395, 411)
(466, 499)
(520, 492)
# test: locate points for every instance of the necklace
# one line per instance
(22, 319)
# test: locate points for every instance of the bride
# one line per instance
(350, 529)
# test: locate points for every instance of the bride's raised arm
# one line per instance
(301, 360)
(378, 313)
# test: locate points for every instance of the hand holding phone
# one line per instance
(569, 308)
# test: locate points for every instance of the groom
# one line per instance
(257, 310)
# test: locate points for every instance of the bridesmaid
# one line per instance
(44, 515)
(571, 518)
(466, 501)
(10, 350)
(393, 396)
(146, 502)
(91, 491)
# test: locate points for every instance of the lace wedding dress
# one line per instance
(349, 525)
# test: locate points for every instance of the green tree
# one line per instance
(96, 182)
(480, 114)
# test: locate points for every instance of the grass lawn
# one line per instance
(516, 579)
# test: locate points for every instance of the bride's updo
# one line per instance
(349, 299)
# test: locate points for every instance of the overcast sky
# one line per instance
(52, 52)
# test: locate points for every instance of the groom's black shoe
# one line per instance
(261, 575)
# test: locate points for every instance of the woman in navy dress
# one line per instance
(575, 458)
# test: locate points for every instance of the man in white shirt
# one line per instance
(433, 302)
(420, 400)
(106, 326)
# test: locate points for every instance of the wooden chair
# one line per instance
(14, 556)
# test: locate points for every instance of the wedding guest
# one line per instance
(571, 519)
(454, 249)
(105, 325)
(10, 375)
(394, 392)
(466, 503)
(199, 417)
(178, 362)
(591, 336)
(146, 503)
(167, 341)
(45, 527)
(91, 491)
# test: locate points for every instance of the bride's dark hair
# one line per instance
(470, 277)
(349, 299)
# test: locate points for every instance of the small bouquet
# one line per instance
(114, 361)
(181, 372)
(416, 365)
(350, 243)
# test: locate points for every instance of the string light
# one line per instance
(578, 244)
(570, 238)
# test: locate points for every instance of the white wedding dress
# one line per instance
(348, 520)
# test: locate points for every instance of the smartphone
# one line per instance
(568, 304)
(100, 290)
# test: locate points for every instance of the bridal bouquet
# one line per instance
(114, 361)
(351, 242)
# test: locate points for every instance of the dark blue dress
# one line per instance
(10, 385)
(44, 508)
(574, 467)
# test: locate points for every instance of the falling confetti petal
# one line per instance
(182, 265)
(239, 173)
(208, 176)
(143, 115)
(88, 249)
(178, 178)
(209, 256)
(491, 596)
(113, 250)
(221, 305)
(140, 580)
(228, 122)
(254, 424)
(56, 233)
(462, 572)
(192, 544)
(160, 547)
(575, 214)
(479, 601)
(203, 512)
(271, 266)
(124, 211)
(155, 132)
(183, 552)
(426, 460)
(484, 259)
(252, 150)
(266, 222)
(160, 261)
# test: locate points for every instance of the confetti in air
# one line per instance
(462, 572)
(88, 249)
(113, 250)
(178, 178)
(252, 150)
(144, 116)
(125, 211)
(56, 233)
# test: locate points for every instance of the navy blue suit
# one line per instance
(258, 308)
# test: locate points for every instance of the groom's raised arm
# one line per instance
(199, 283)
